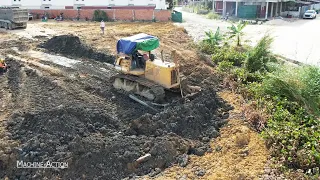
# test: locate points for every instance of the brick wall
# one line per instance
(118, 14)
(144, 14)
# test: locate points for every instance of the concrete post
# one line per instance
(277, 9)
(267, 10)
(213, 6)
(236, 8)
(271, 13)
(280, 8)
(193, 6)
(224, 8)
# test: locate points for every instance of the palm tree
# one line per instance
(236, 31)
(213, 38)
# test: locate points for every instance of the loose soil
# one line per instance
(72, 114)
(71, 46)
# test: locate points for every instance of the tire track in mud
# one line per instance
(14, 79)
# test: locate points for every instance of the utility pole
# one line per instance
(213, 10)
(193, 6)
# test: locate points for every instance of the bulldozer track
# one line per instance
(156, 89)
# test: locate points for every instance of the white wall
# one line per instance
(5, 2)
(161, 4)
(92, 2)
(27, 3)
(139, 2)
(60, 4)
(294, 14)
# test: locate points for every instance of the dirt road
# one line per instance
(296, 40)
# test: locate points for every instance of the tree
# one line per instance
(213, 38)
(236, 32)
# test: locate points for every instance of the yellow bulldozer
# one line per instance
(142, 72)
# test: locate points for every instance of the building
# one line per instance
(263, 8)
(86, 4)
(249, 8)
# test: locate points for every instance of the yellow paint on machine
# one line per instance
(162, 73)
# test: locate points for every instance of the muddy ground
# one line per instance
(57, 104)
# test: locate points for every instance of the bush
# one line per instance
(230, 55)
(300, 84)
(245, 77)
(293, 136)
(206, 47)
(212, 15)
(225, 66)
(99, 15)
(260, 55)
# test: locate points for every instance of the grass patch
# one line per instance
(287, 100)
(212, 15)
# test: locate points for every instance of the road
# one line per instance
(295, 39)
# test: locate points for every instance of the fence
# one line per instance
(113, 14)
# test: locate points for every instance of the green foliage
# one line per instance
(260, 55)
(245, 77)
(293, 135)
(237, 32)
(300, 84)
(206, 48)
(212, 15)
(229, 54)
(208, 45)
(225, 66)
(100, 15)
(291, 95)
(213, 38)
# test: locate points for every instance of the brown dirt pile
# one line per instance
(238, 153)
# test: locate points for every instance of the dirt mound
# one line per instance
(198, 119)
(72, 46)
(60, 121)
(91, 143)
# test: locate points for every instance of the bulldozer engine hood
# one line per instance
(143, 42)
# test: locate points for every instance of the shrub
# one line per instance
(213, 38)
(212, 15)
(225, 66)
(229, 54)
(293, 135)
(208, 45)
(99, 15)
(260, 55)
(301, 85)
(237, 32)
(246, 77)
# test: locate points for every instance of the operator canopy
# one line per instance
(143, 42)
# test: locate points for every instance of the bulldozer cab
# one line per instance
(135, 58)
(134, 51)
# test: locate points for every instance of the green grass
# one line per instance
(297, 84)
(212, 15)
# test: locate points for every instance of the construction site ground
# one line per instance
(57, 104)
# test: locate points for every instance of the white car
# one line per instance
(310, 14)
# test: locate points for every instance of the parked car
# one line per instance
(310, 14)
(30, 16)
